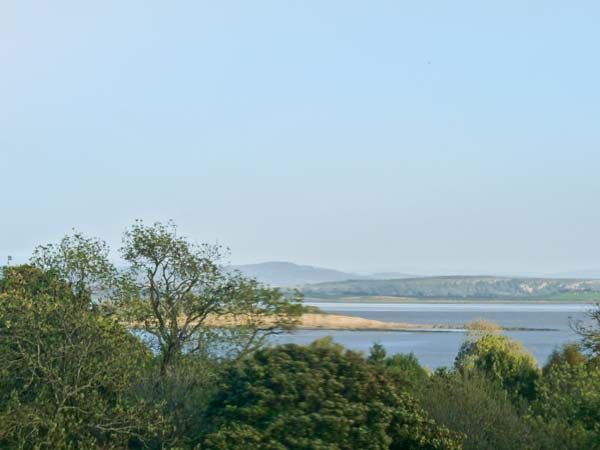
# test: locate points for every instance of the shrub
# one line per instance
(502, 360)
(317, 397)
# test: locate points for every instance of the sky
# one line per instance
(429, 137)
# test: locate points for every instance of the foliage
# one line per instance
(478, 408)
(569, 354)
(567, 407)
(183, 394)
(404, 368)
(72, 377)
(482, 326)
(502, 360)
(81, 262)
(590, 333)
(177, 292)
(30, 281)
(65, 372)
(317, 397)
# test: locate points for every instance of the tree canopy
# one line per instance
(65, 371)
(79, 371)
(503, 360)
(318, 397)
(178, 292)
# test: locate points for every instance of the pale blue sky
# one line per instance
(457, 136)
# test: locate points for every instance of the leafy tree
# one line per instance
(377, 353)
(178, 293)
(567, 407)
(81, 262)
(477, 407)
(405, 368)
(317, 397)
(503, 360)
(569, 354)
(65, 371)
(590, 334)
(183, 394)
(30, 281)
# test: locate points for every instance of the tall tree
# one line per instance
(65, 371)
(81, 262)
(177, 292)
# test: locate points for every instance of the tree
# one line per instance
(590, 333)
(502, 360)
(318, 397)
(31, 282)
(178, 293)
(81, 262)
(566, 410)
(477, 407)
(65, 371)
(569, 354)
(405, 368)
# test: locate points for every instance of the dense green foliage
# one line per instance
(404, 368)
(476, 406)
(65, 371)
(503, 360)
(75, 374)
(567, 405)
(318, 397)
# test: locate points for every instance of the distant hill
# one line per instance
(387, 276)
(283, 273)
(461, 287)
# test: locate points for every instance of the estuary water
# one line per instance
(436, 349)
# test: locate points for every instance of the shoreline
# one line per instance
(335, 322)
(445, 300)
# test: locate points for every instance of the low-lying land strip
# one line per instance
(337, 322)
(326, 321)
(323, 321)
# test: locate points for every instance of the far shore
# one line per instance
(336, 322)
(424, 300)
(351, 323)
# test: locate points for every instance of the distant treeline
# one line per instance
(460, 287)
(72, 376)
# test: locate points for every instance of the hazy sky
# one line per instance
(370, 135)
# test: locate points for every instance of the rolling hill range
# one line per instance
(461, 287)
(283, 273)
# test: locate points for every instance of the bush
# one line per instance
(66, 371)
(567, 408)
(477, 407)
(569, 354)
(317, 397)
(404, 368)
(502, 360)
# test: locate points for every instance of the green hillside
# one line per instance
(462, 287)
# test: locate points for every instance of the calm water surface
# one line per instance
(436, 349)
